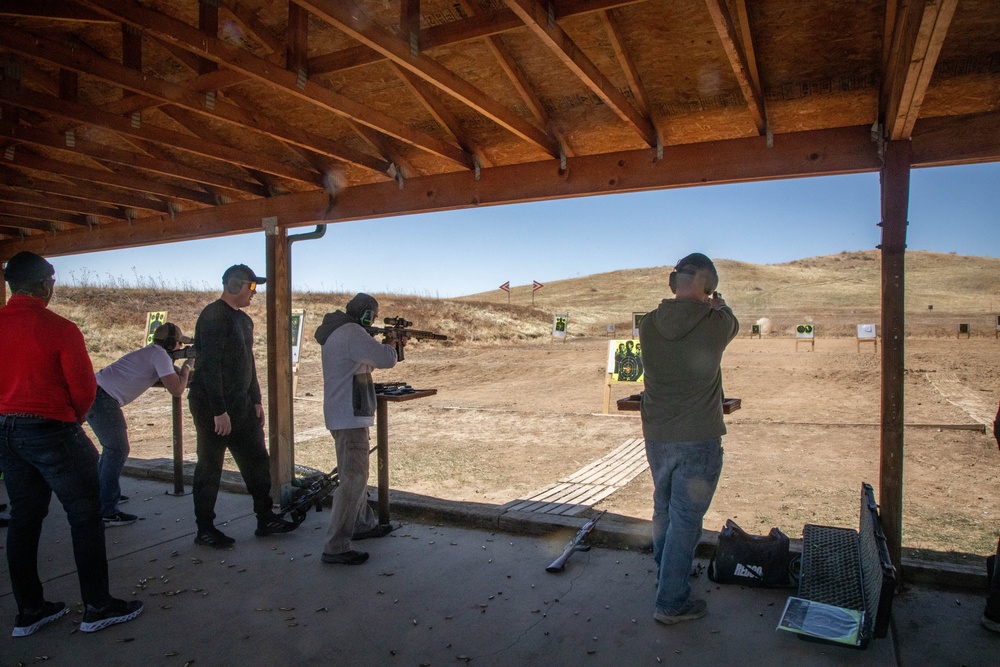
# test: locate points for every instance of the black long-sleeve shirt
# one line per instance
(226, 374)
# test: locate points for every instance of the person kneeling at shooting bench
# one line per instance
(349, 356)
(118, 385)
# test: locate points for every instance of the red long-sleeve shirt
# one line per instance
(45, 369)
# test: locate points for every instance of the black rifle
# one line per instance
(309, 492)
(397, 333)
(576, 544)
(182, 353)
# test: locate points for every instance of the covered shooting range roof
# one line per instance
(128, 123)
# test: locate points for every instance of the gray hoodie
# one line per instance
(349, 356)
(682, 344)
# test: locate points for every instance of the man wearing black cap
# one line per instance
(227, 409)
(47, 385)
(682, 344)
(118, 385)
(349, 356)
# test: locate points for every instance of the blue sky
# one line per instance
(952, 209)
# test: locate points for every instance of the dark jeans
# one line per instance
(39, 456)
(108, 422)
(993, 601)
(245, 443)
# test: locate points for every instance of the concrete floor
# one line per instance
(433, 593)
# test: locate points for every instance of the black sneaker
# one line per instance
(120, 519)
(116, 611)
(215, 538)
(346, 558)
(273, 525)
(28, 623)
(122, 499)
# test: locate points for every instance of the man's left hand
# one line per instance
(259, 409)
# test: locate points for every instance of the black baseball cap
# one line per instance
(242, 272)
(26, 268)
(695, 260)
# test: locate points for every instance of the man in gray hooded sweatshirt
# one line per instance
(349, 355)
(682, 344)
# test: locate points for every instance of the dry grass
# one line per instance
(834, 292)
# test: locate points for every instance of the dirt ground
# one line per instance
(508, 421)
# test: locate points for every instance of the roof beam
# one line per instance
(259, 69)
(57, 10)
(139, 183)
(536, 18)
(130, 79)
(127, 158)
(739, 62)
(625, 60)
(476, 26)
(361, 28)
(65, 204)
(919, 32)
(823, 152)
(83, 114)
(13, 210)
(23, 224)
(14, 178)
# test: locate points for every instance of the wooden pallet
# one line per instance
(589, 485)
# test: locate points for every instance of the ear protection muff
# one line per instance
(234, 285)
(367, 317)
(672, 281)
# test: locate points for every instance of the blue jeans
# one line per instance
(685, 475)
(108, 421)
(39, 456)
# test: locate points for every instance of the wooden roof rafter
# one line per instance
(918, 33)
(737, 53)
(133, 202)
(361, 28)
(263, 71)
(58, 203)
(536, 18)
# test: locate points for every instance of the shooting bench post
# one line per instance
(382, 401)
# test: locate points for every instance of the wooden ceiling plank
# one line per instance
(535, 17)
(379, 142)
(130, 159)
(427, 95)
(132, 182)
(738, 61)
(24, 224)
(14, 178)
(53, 10)
(747, 41)
(83, 114)
(167, 27)
(626, 62)
(513, 71)
(166, 92)
(920, 29)
(65, 204)
(42, 213)
(360, 27)
(477, 26)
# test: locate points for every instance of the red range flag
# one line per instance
(506, 287)
(535, 286)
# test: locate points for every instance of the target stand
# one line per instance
(805, 333)
(964, 330)
(754, 331)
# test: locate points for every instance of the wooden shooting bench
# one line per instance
(850, 569)
(382, 400)
(633, 402)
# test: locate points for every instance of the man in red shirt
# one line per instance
(47, 385)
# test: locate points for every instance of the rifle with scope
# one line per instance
(397, 332)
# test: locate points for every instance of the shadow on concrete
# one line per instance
(458, 583)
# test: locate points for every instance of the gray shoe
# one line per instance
(694, 609)
(347, 558)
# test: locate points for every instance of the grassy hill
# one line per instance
(834, 292)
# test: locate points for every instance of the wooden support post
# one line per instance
(895, 187)
(177, 423)
(279, 359)
(607, 394)
(3, 287)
